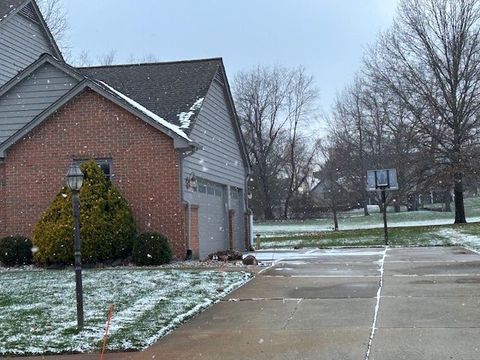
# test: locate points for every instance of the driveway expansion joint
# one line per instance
(260, 299)
(377, 306)
(292, 314)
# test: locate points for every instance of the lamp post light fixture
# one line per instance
(74, 181)
(191, 182)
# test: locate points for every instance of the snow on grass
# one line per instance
(38, 309)
(459, 238)
(352, 221)
(287, 243)
(467, 235)
(282, 244)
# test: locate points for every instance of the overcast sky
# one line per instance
(328, 37)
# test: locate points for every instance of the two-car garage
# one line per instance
(213, 216)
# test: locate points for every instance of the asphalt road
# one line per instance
(378, 304)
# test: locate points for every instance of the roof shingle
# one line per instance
(168, 89)
(7, 6)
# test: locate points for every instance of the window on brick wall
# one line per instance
(105, 165)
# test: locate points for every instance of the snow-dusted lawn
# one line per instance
(463, 237)
(38, 308)
(467, 235)
(355, 221)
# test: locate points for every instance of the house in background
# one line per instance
(166, 134)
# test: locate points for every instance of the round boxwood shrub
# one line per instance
(151, 249)
(107, 228)
(15, 250)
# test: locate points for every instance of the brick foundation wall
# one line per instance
(194, 237)
(144, 163)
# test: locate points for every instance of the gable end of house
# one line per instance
(24, 36)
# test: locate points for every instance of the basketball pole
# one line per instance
(384, 202)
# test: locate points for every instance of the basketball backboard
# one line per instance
(382, 179)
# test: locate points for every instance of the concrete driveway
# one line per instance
(400, 303)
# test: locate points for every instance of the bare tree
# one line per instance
(403, 149)
(55, 16)
(348, 129)
(333, 189)
(335, 186)
(272, 104)
(259, 98)
(300, 101)
(83, 59)
(149, 58)
(430, 60)
(107, 58)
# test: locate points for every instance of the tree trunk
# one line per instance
(335, 218)
(268, 212)
(267, 207)
(414, 202)
(458, 195)
(446, 201)
(396, 206)
(287, 206)
(365, 208)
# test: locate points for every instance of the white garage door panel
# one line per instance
(212, 224)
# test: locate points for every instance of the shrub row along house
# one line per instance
(166, 134)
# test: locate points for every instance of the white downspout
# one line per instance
(248, 211)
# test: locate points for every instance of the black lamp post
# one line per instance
(74, 183)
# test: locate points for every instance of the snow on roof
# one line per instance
(185, 117)
(165, 88)
(176, 129)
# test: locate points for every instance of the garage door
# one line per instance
(212, 218)
(236, 202)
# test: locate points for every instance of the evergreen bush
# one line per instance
(107, 228)
(15, 250)
(151, 249)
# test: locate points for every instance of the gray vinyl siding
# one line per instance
(22, 41)
(22, 103)
(219, 158)
(237, 204)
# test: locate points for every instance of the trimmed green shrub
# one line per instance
(151, 249)
(15, 250)
(107, 228)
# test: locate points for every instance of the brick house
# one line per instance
(166, 134)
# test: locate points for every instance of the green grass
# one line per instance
(355, 221)
(416, 228)
(38, 309)
(398, 236)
